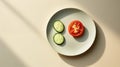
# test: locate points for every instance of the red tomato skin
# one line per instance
(80, 30)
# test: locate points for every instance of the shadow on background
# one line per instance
(92, 55)
(107, 11)
(21, 16)
(8, 58)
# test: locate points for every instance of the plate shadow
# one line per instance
(92, 55)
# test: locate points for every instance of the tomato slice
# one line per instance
(76, 28)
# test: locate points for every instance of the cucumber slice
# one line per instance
(58, 26)
(58, 38)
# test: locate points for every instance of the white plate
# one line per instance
(72, 46)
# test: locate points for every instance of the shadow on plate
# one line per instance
(63, 13)
(92, 55)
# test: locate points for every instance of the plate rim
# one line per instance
(82, 51)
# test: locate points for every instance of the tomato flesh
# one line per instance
(76, 28)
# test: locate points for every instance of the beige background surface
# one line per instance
(23, 41)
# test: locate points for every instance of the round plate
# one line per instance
(72, 46)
